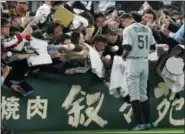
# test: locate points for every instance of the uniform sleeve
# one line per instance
(127, 39)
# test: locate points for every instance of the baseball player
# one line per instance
(137, 42)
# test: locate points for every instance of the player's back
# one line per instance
(141, 37)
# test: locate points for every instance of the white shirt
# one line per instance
(42, 13)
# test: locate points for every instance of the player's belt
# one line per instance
(137, 58)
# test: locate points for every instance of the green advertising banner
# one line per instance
(83, 102)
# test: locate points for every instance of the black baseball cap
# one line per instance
(125, 16)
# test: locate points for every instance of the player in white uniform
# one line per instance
(137, 42)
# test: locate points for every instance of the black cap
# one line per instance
(125, 16)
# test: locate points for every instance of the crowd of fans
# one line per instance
(69, 46)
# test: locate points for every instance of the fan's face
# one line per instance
(148, 18)
(57, 32)
(99, 21)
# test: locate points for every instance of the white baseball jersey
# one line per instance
(140, 38)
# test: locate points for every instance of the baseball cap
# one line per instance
(113, 30)
(125, 16)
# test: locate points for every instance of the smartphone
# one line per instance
(26, 89)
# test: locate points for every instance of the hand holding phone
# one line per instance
(25, 89)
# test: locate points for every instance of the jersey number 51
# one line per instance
(143, 41)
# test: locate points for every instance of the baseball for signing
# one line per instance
(116, 48)
(72, 46)
(108, 57)
(9, 54)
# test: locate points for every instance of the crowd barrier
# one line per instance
(82, 102)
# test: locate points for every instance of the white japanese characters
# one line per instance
(127, 116)
(167, 106)
(83, 109)
(78, 105)
(10, 108)
(38, 107)
(171, 105)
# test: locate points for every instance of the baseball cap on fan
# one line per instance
(113, 31)
(124, 16)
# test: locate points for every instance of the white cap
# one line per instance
(182, 46)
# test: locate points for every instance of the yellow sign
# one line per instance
(63, 16)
